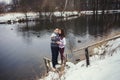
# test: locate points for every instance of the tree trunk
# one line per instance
(66, 2)
(26, 18)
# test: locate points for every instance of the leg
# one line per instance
(53, 56)
(62, 54)
(55, 52)
(56, 55)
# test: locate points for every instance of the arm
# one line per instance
(54, 38)
(64, 41)
(52, 35)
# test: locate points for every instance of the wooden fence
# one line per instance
(86, 49)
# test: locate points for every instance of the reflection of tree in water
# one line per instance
(31, 29)
(36, 28)
(101, 24)
(71, 46)
(94, 25)
(117, 19)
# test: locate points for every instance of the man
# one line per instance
(55, 47)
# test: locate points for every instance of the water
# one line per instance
(23, 46)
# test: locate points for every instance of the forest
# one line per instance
(59, 5)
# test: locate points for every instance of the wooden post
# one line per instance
(87, 57)
(47, 63)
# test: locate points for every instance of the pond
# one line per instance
(23, 46)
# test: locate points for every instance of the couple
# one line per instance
(58, 43)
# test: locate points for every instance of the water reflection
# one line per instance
(93, 25)
(23, 48)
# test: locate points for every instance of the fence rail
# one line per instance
(115, 37)
(87, 50)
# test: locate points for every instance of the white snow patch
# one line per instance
(105, 69)
(16, 16)
(33, 15)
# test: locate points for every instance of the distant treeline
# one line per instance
(59, 5)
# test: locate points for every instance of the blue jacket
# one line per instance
(54, 39)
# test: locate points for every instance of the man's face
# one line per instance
(57, 30)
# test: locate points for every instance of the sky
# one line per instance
(6, 1)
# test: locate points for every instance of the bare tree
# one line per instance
(66, 2)
(2, 7)
(15, 5)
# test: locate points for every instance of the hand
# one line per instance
(58, 42)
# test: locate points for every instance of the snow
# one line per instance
(6, 1)
(52, 76)
(100, 12)
(65, 14)
(100, 69)
(16, 16)
(34, 15)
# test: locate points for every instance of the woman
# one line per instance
(62, 43)
(55, 47)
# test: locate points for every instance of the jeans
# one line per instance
(55, 53)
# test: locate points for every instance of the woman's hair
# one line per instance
(62, 33)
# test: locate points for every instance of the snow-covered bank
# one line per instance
(99, 12)
(32, 15)
(16, 16)
(66, 15)
(100, 69)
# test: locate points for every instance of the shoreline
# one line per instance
(14, 17)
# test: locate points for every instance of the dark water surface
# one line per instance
(23, 46)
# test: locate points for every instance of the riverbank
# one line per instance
(27, 55)
(34, 16)
(102, 66)
(55, 16)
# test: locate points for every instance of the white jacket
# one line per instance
(62, 43)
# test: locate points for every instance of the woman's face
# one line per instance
(59, 31)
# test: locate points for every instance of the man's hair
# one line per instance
(56, 29)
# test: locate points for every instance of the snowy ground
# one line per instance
(66, 14)
(16, 16)
(100, 12)
(106, 68)
(33, 15)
